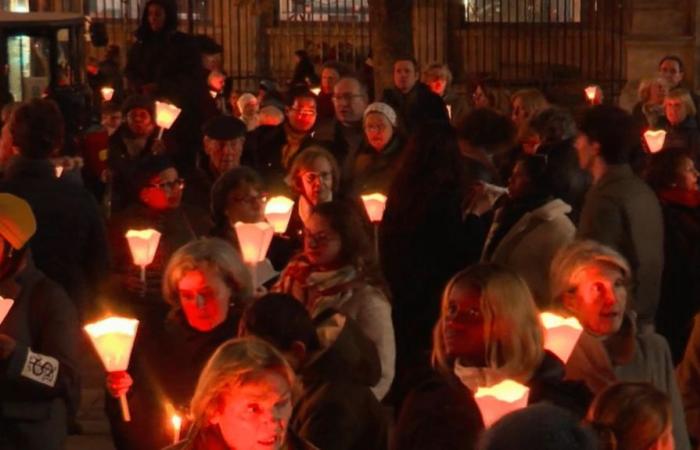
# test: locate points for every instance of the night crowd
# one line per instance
(352, 334)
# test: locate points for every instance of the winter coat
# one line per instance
(374, 171)
(210, 438)
(420, 105)
(70, 244)
(167, 359)
(441, 413)
(621, 211)
(680, 284)
(529, 246)
(685, 135)
(38, 382)
(337, 410)
(629, 356)
(343, 142)
(688, 373)
(348, 292)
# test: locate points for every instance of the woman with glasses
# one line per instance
(488, 330)
(154, 202)
(206, 286)
(337, 269)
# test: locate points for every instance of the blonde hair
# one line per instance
(684, 96)
(644, 89)
(577, 255)
(437, 70)
(532, 99)
(512, 329)
(630, 416)
(304, 160)
(235, 363)
(213, 253)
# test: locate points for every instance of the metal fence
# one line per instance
(517, 42)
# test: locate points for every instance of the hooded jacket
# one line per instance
(337, 410)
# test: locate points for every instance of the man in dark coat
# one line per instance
(337, 364)
(620, 210)
(70, 245)
(412, 100)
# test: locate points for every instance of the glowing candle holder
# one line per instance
(498, 400)
(374, 205)
(213, 94)
(254, 240)
(113, 339)
(177, 426)
(591, 92)
(166, 115)
(143, 245)
(107, 93)
(59, 171)
(449, 111)
(5, 305)
(655, 140)
(278, 210)
(560, 334)
(316, 90)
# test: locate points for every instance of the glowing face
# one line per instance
(687, 175)
(156, 17)
(378, 130)
(140, 122)
(598, 298)
(348, 101)
(164, 191)
(463, 326)
(671, 71)
(675, 110)
(405, 76)
(204, 298)
(254, 416)
(317, 181)
(245, 204)
(438, 85)
(328, 79)
(302, 114)
(224, 155)
(321, 243)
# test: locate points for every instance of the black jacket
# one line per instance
(39, 380)
(418, 106)
(374, 171)
(337, 410)
(70, 244)
(441, 413)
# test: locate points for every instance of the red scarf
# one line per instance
(678, 196)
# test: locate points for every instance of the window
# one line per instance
(522, 11)
(323, 10)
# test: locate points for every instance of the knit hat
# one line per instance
(224, 128)
(381, 108)
(17, 222)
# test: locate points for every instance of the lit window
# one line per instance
(323, 10)
(522, 11)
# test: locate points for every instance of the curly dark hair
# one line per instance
(226, 183)
(37, 128)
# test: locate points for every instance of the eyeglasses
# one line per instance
(345, 97)
(251, 200)
(377, 128)
(304, 112)
(169, 185)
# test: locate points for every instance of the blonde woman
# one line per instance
(680, 123)
(488, 331)
(632, 416)
(438, 77)
(207, 285)
(243, 400)
(592, 282)
(649, 111)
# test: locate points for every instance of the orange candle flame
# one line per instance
(590, 92)
(655, 140)
(278, 210)
(498, 400)
(107, 93)
(374, 205)
(316, 90)
(177, 426)
(560, 334)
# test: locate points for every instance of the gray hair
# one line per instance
(553, 125)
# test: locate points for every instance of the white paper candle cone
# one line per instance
(278, 210)
(107, 93)
(374, 205)
(5, 305)
(166, 114)
(560, 334)
(143, 245)
(496, 401)
(254, 240)
(655, 140)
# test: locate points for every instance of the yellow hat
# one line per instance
(17, 222)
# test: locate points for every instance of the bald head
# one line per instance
(350, 100)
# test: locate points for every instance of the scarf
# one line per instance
(292, 145)
(684, 197)
(475, 377)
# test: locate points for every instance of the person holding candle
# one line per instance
(488, 331)
(438, 78)
(632, 416)
(680, 123)
(39, 340)
(649, 111)
(243, 400)
(592, 282)
(207, 285)
(674, 178)
(337, 269)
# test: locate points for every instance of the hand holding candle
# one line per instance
(496, 401)
(560, 334)
(113, 339)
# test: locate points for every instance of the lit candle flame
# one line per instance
(560, 334)
(590, 92)
(498, 400)
(177, 425)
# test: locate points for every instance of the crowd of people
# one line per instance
(353, 334)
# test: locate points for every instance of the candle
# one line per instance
(254, 240)
(655, 140)
(5, 305)
(166, 115)
(59, 171)
(560, 334)
(213, 94)
(113, 339)
(143, 245)
(278, 210)
(498, 400)
(177, 425)
(316, 90)
(591, 92)
(107, 93)
(374, 205)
